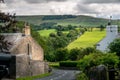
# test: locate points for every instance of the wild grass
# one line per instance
(34, 77)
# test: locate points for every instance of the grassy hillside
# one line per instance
(78, 20)
(89, 39)
(46, 33)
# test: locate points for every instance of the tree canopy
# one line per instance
(115, 46)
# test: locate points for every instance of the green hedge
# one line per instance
(68, 64)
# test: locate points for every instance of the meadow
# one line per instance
(46, 32)
(88, 39)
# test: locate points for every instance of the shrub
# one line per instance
(110, 59)
(73, 55)
(95, 59)
(68, 64)
(89, 61)
(61, 54)
(82, 76)
(114, 46)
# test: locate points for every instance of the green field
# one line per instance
(89, 39)
(46, 33)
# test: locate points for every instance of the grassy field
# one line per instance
(89, 39)
(46, 33)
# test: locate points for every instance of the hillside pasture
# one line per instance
(46, 32)
(88, 39)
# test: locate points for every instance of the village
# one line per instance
(24, 52)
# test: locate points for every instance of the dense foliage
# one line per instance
(68, 63)
(58, 17)
(115, 46)
(8, 23)
(57, 41)
(95, 59)
(82, 76)
(4, 44)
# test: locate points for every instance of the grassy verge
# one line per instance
(34, 77)
(54, 64)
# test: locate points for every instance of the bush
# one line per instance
(68, 64)
(82, 76)
(89, 61)
(95, 59)
(114, 46)
(61, 54)
(73, 55)
(110, 59)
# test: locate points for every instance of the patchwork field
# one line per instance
(89, 39)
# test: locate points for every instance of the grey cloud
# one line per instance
(82, 8)
(101, 1)
(35, 1)
(9, 1)
(43, 1)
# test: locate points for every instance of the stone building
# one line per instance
(27, 56)
(111, 34)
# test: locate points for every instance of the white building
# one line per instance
(111, 34)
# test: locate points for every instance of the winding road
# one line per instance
(58, 74)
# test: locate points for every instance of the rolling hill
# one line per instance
(63, 20)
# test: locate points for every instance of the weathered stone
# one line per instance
(28, 55)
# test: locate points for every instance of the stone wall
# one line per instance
(35, 50)
(38, 67)
(28, 57)
(27, 67)
(22, 66)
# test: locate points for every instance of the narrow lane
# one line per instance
(61, 75)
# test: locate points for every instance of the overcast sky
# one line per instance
(96, 8)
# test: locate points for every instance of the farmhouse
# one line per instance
(111, 34)
(26, 57)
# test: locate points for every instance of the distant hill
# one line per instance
(66, 20)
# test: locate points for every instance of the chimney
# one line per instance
(27, 30)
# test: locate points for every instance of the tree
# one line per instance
(61, 54)
(59, 33)
(4, 44)
(74, 54)
(101, 27)
(115, 46)
(9, 23)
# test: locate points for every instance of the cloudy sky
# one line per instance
(96, 8)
